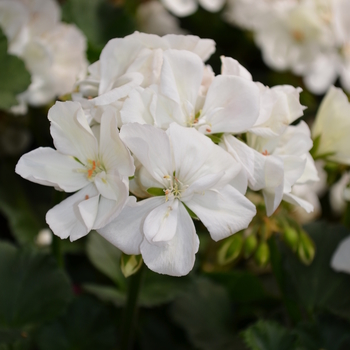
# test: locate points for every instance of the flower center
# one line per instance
(175, 188)
(92, 168)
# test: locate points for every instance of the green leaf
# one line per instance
(14, 78)
(17, 207)
(318, 286)
(99, 20)
(204, 312)
(156, 290)
(106, 258)
(326, 332)
(267, 335)
(87, 325)
(106, 293)
(155, 191)
(243, 287)
(33, 289)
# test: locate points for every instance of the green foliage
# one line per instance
(14, 78)
(267, 335)
(105, 257)
(155, 191)
(231, 249)
(33, 290)
(17, 206)
(100, 21)
(317, 286)
(204, 312)
(87, 325)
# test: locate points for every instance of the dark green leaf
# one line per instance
(267, 335)
(326, 332)
(33, 289)
(87, 325)
(105, 257)
(14, 78)
(204, 312)
(317, 286)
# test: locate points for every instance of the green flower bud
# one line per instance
(262, 254)
(250, 244)
(291, 237)
(130, 264)
(231, 249)
(306, 248)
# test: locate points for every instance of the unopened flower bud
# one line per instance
(231, 249)
(44, 238)
(249, 246)
(291, 238)
(130, 264)
(306, 249)
(262, 254)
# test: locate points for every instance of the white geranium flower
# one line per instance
(274, 165)
(184, 8)
(115, 75)
(339, 194)
(332, 126)
(188, 170)
(93, 162)
(223, 104)
(53, 52)
(279, 105)
(153, 18)
(341, 258)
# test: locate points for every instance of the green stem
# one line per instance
(130, 312)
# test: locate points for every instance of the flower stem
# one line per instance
(130, 312)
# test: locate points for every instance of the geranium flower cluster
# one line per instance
(309, 37)
(53, 52)
(183, 8)
(189, 145)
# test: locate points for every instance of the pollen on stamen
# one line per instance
(208, 130)
(87, 197)
(265, 153)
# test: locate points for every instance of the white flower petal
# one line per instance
(65, 219)
(88, 210)
(223, 212)
(126, 230)
(181, 8)
(229, 66)
(71, 132)
(181, 77)
(48, 167)
(293, 199)
(175, 257)
(114, 154)
(232, 104)
(341, 258)
(161, 223)
(212, 5)
(151, 147)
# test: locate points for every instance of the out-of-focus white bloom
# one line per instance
(309, 37)
(93, 162)
(276, 164)
(115, 75)
(230, 103)
(339, 194)
(311, 192)
(53, 52)
(44, 237)
(188, 170)
(332, 126)
(153, 18)
(341, 258)
(182, 8)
